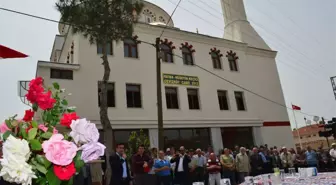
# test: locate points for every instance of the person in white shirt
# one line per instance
(332, 153)
(198, 164)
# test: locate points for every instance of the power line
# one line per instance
(268, 32)
(170, 18)
(152, 44)
(252, 37)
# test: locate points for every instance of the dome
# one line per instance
(154, 15)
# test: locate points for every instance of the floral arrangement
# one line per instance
(35, 152)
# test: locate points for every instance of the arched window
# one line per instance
(167, 51)
(187, 53)
(131, 48)
(216, 58)
(232, 58)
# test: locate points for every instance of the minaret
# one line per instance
(237, 27)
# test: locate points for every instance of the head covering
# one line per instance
(168, 150)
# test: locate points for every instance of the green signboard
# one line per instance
(173, 79)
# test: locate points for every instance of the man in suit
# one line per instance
(182, 167)
(119, 166)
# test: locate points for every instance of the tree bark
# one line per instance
(104, 119)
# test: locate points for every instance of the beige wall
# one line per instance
(257, 72)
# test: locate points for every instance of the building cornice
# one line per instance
(261, 52)
(182, 35)
(199, 123)
(57, 65)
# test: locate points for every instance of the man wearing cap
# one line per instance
(332, 153)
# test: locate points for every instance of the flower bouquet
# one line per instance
(34, 152)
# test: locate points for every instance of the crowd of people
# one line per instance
(183, 167)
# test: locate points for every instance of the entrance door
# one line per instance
(241, 136)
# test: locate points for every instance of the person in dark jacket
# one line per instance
(119, 167)
(182, 167)
(276, 161)
(256, 163)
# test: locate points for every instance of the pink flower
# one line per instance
(55, 131)
(3, 128)
(92, 151)
(43, 128)
(59, 151)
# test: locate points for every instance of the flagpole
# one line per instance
(297, 129)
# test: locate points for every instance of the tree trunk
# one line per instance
(104, 119)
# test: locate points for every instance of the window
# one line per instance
(109, 48)
(110, 94)
(223, 100)
(193, 99)
(240, 100)
(171, 98)
(187, 56)
(241, 136)
(133, 95)
(130, 48)
(216, 62)
(61, 74)
(191, 138)
(167, 55)
(122, 136)
(232, 58)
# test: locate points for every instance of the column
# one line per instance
(153, 137)
(216, 139)
(258, 140)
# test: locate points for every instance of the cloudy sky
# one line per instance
(303, 31)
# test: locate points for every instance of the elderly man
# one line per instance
(286, 159)
(198, 164)
(256, 163)
(242, 165)
(332, 153)
(214, 168)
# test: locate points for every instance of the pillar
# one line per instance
(216, 139)
(257, 136)
(153, 137)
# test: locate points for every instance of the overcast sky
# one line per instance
(302, 31)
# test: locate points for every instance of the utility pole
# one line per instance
(159, 94)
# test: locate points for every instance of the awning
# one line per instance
(6, 52)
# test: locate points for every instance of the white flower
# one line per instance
(83, 131)
(16, 147)
(16, 170)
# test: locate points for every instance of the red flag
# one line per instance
(294, 107)
(6, 52)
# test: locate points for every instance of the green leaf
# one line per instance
(56, 85)
(9, 123)
(51, 177)
(35, 145)
(32, 133)
(23, 132)
(34, 124)
(64, 102)
(6, 135)
(46, 135)
(69, 182)
(79, 163)
(43, 160)
(35, 107)
(40, 168)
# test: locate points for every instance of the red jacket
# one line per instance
(214, 163)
